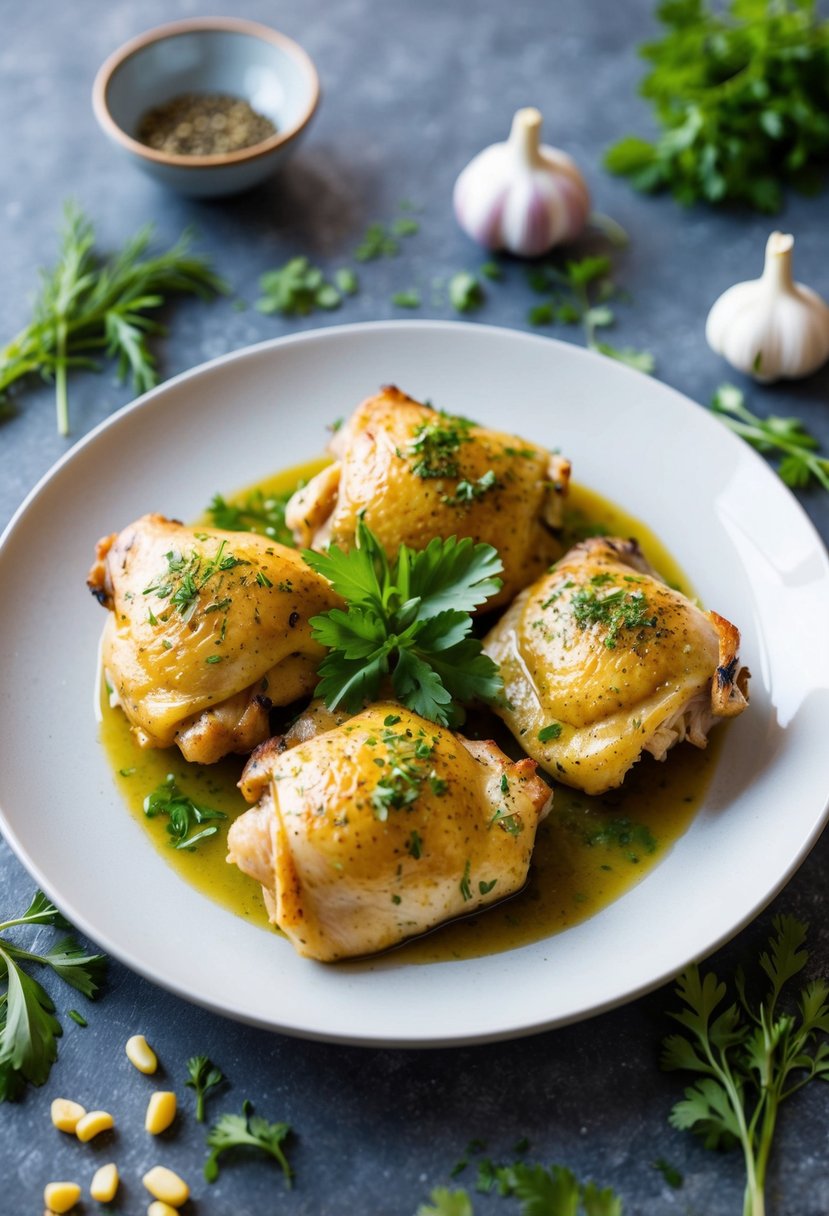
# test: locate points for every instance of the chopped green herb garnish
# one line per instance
(406, 299)
(296, 290)
(465, 292)
(470, 491)
(618, 609)
(435, 445)
(547, 733)
(466, 890)
(76, 1017)
(376, 243)
(257, 512)
(405, 226)
(184, 814)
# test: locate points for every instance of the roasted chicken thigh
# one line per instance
(414, 473)
(601, 661)
(381, 826)
(207, 630)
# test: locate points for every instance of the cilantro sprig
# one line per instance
(742, 96)
(88, 306)
(750, 1055)
(29, 1029)
(247, 1131)
(800, 464)
(408, 620)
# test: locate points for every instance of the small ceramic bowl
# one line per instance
(208, 55)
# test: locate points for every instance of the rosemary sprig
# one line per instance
(88, 305)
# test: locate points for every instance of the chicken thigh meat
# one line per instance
(602, 661)
(373, 828)
(414, 473)
(207, 630)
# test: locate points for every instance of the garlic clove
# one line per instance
(520, 195)
(771, 328)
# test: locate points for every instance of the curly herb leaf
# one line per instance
(202, 1076)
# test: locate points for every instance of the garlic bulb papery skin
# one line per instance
(521, 195)
(771, 327)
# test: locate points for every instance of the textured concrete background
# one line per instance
(411, 91)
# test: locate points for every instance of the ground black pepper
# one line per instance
(203, 124)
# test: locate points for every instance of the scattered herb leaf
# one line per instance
(465, 292)
(185, 814)
(247, 1131)
(296, 290)
(800, 463)
(202, 1076)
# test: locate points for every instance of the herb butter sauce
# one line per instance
(588, 851)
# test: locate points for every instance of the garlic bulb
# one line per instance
(771, 327)
(521, 195)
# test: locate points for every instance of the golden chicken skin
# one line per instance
(414, 473)
(207, 630)
(373, 828)
(602, 661)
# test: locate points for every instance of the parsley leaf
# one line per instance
(408, 620)
(800, 464)
(185, 814)
(87, 304)
(202, 1076)
(465, 292)
(247, 1131)
(29, 1028)
(742, 96)
(749, 1056)
(297, 289)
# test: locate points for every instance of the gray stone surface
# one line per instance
(411, 91)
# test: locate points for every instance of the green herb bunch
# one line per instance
(742, 96)
(29, 1029)
(750, 1055)
(409, 620)
(88, 306)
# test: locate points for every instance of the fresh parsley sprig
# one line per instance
(202, 1076)
(800, 464)
(87, 306)
(29, 1028)
(408, 619)
(742, 95)
(751, 1055)
(247, 1131)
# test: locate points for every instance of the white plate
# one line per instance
(742, 537)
